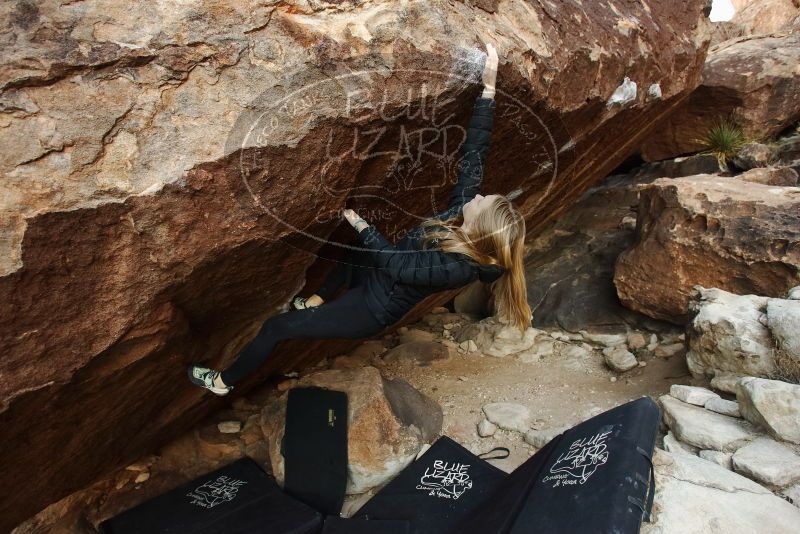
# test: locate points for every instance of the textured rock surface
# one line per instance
(704, 429)
(692, 394)
(570, 264)
(768, 462)
(496, 339)
(383, 435)
(131, 245)
(753, 80)
(728, 335)
(712, 231)
(771, 404)
(696, 496)
(508, 415)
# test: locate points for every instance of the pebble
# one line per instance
(613, 378)
(141, 477)
(486, 428)
(230, 427)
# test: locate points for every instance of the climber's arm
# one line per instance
(474, 150)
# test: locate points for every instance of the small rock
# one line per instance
(794, 294)
(628, 223)
(508, 416)
(642, 364)
(471, 346)
(752, 155)
(229, 427)
(439, 309)
(636, 341)
(609, 340)
(725, 407)
(486, 428)
(540, 438)
(769, 462)
(667, 351)
(141, 477)
(613, 379)
(653, 343)
(462, 378)
(692, 394)
(619, 359)
(402, 329)
(723, 459)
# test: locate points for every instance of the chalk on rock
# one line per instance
(623, 94)
(654, 91)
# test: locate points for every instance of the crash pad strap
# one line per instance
(499, 449)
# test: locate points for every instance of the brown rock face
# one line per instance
(173, 173)
(753, 80)
(712, 231)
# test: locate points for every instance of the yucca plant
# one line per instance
(724, 139)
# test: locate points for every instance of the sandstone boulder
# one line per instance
(711, 231)
(388, 421)
(171, 173)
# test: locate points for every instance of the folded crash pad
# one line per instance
(595, 477)
(239, 498)
(314, 447)
(436, 490)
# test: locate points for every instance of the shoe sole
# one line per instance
(198, 382)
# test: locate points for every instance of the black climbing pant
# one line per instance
(347, 317)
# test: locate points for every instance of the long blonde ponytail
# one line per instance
(497, 237)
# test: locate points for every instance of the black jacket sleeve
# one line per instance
(428, 268)
(474, 150)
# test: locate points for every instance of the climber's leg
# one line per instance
(346, 318)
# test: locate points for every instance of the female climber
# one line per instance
(476, 238)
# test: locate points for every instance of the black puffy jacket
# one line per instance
(404, 274)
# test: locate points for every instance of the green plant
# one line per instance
(723, 139)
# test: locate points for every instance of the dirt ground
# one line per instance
(559, 391)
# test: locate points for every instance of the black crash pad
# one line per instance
(239, 498)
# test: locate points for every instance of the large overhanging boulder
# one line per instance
(173, 171)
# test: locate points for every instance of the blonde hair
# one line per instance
(497, 237)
